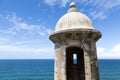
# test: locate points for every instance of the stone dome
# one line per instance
(73, 20)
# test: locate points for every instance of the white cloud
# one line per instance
(98, 15)
(108, 4)
(62, 3)
(23, 42)
(3, 39)
(19, 26)
(114, 53)
(111, 4)
(102, 53)
(116, 49)
(100, 8)
(50, 2)
(15, 52)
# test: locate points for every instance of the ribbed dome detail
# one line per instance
(73, 20)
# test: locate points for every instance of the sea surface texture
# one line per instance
(44, 69)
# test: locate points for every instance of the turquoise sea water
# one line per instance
(109, 69)
(44, 69)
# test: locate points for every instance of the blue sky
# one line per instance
(25, 26)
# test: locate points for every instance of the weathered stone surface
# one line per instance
(82, 38)
(75, 34)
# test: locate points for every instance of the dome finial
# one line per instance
(72, 4)
(73, 7)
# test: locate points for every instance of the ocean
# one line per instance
(44, 69)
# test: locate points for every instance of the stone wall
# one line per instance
(81, 38)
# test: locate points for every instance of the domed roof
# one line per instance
(73, 20)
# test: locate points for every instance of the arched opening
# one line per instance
(75, 63)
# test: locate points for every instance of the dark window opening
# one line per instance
(75, 63)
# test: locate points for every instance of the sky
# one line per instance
(25, 26)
